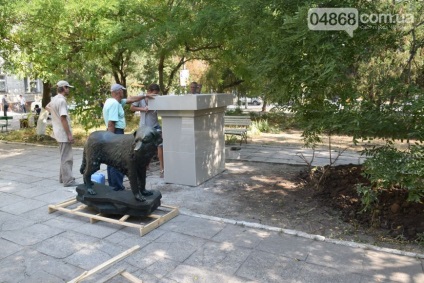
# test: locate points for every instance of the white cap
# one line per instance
(63, 83)
(116, 87)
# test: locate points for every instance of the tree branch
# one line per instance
(237, 82)
(206, 47)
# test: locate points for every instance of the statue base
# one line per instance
(108, 201)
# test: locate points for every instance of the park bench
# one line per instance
(237, 126)
(4, 122)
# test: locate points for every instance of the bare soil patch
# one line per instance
(392, 217)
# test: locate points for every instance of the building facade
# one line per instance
(13, 86)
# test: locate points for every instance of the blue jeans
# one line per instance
(114, 176)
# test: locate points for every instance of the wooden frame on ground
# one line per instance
(161, 215)
(111, 261)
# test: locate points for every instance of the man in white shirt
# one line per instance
(62, 130)
(23, 103)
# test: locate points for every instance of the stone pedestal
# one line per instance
(108, 201)
(193, 134)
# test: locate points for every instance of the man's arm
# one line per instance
(136, 108)
(111, 126)
(132, 99)
(65, 126)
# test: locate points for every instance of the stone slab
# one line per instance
(320, 274)
(31, 235)
(347, 259)
(8, 248)
(239, 236)
(221, 257)
(267, 267)
(108, 201)
(23, 206)
(284, 245)
(31, 266)
(394, 268)
(187, 273)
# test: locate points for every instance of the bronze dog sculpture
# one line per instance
(129, 153)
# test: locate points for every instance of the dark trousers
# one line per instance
(5, 107)
(114, 176)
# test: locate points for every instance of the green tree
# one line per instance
(376, 75)
(181, 31)
(75, 40)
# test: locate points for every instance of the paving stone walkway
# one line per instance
(295, 155)
(36, 246)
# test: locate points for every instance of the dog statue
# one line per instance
(129, 153)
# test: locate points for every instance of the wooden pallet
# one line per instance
(161, 215)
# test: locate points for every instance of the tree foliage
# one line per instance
(369, 85)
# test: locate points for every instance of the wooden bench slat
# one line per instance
(235, 131)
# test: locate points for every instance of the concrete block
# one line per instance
(320, 274)
(8, 248)
(31, 235)
(239, 236)
(200, 228)
(391, 267)
(285, 245)
(187, 273)
(23, 206)
(347, 259)
(222, 257)
(265, 267)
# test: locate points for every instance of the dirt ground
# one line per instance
(280, 195)
(393, 218)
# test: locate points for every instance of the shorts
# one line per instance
(158, 128)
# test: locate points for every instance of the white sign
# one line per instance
(348, 19)
(184, 74)
(333, 19)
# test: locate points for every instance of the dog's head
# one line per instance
(146, 137)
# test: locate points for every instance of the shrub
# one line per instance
(275, 121)
(389, 167)
(260, 126)
(234, 112)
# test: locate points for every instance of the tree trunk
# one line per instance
(47, 86)
(264, 106)
(42, 119)
(161, 66)
(42, 122)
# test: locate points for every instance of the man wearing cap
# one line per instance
(114, 117)
(62, 130)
